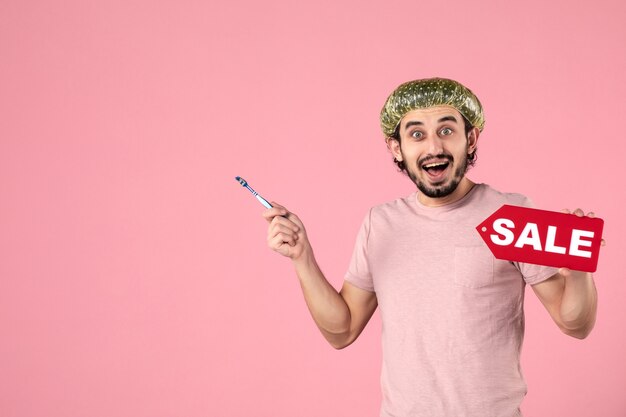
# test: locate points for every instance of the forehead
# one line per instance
(430, 114)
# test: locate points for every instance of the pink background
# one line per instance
(135, 279)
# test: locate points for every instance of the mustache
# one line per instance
(429, 158)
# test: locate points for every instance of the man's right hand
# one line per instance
(286, 234)
(340, 316)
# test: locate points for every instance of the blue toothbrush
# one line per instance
(254, 193)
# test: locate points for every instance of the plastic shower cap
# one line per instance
(419, 94)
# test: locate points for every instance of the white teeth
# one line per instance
(436, 164)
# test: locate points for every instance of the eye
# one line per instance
(416, 134)
(446, 131)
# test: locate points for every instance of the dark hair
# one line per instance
(471, 158)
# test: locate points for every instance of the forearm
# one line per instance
(579, 304)
(328, 308)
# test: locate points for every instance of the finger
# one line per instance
(295, 219)
(289, 215)
(277, 205)
(277, 245)
(280, 239)
(566, 211)
(591, 214)
(603, 242)
(564, 272)
(273, 212)
(281, 228)
(285, 222)
(579, 212)
(276, 228)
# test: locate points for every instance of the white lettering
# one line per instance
(550, 246)
(577, 242)
(498, 227)
(529, 236)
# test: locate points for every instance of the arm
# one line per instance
(571, 298)
(340, 316)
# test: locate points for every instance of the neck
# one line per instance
(464, 187)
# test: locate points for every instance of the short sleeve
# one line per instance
(359, 273)
(534, 274)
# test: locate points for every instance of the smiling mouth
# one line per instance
(435, 168)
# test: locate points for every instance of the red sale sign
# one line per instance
(543, 237)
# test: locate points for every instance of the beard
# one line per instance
(443, 190)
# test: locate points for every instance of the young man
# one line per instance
(452, 314)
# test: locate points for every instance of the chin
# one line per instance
(438, 191)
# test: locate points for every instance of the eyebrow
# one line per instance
(418, 123)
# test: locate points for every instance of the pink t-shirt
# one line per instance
(452, 314)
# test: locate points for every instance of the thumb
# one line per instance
(275, 204)
(566, 272)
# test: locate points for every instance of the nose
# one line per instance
(435, 145)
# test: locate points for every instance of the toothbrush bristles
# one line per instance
(241, 181)
(245, 185)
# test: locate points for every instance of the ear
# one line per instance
(394, 147)
(472, 140)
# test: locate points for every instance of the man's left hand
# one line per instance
(566, 272)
